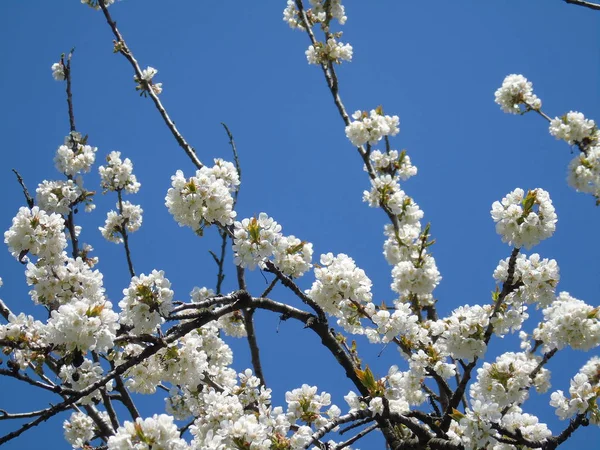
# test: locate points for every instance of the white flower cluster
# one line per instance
(316, 14)
(506, 382)
(462, 334)
(74, 155)
(59, 196)
(569, 322)
(305, 404)
(81, 377)
(584, 393)
(146, 302)
(62, 283)
(146, 82)
(118, 174)
(255, 239)
(574, 128)
(474, 428)
(79, 429)
(584, 172)
(331, 51)
(83, 325)
(153, 433)
(524, 220)
(130, 219)
(205, 198)
(420, 277)
(293, 256)
(29, 337)
(341, 289)
(538, 276)
(35, 232)
(401, 322)
(392, 163)
(371, 127)
(58, 71)
(95, 3)
(514, 92)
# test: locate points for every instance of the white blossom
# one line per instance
(371, 127)
(293, 256)
(514, 92)
(584, 172)
(145, 82)
(118, 175)
(569, 322)
(130, 219)
(254, 240)
(524, 219)
(59, 196)
(332, 51)
(81, 325)
(204, 198)
(75, 155)
(58, 71)
(338, 280)
(35, 232)
(573, 128)
(146, 302)
(158, 432)
(61, 283)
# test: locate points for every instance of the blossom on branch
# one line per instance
(515, 92)
(524, 220)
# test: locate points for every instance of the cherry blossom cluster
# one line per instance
(461, 335)
(36, 233)
(371, 127)
(156, 432)
(145, 82)
(205, 198)
(118, 175)
(536, 277)
(60, 196)
(473, 430)
(583, 392)
(342, 290)
(129, 218)
(95, 4)
(255, 239)
(316, 14)
(28, 338)
(58, 71)
(75, 155)
(82, 376)
(584, 172)
(573, 128)
(506, 382)
(516, 96)
(393, 163)
(330, 51)
(80, 428)
(523, 220)
(146, 302)
(569, 322)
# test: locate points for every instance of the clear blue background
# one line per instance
(436, 64)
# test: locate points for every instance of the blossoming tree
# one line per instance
(459, 375)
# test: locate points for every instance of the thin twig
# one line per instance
(126, 52)
(28, 197)
(123, 231)
(584, 4)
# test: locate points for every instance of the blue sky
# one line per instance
(436, 64)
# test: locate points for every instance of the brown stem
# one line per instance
(126, 52)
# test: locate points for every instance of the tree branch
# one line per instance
(585, 4)
(126, 52)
